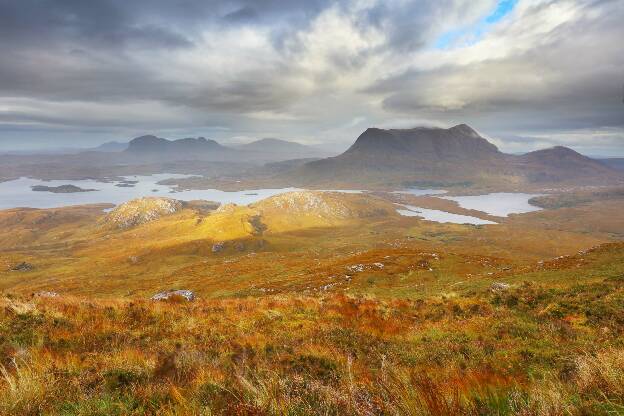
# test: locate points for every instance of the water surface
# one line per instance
(500, 204)
(18, 193)
(441, 216)
(421, 192)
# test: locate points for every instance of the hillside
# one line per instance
(447, 156)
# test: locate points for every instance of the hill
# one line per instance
(140, 211)
(562, 164)
(446, 156)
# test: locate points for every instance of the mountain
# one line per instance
(423, 143)
(455, 155)
(381, 156)
(275, 149)
(153, 144)
(155, 148)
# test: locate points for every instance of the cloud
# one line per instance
(306, 69)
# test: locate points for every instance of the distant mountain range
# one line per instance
(454, 155)
(379, 158)
(264, 150)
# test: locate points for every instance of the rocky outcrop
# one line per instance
(306, 203)
(141, 211)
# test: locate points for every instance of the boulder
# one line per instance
(46, 294)
(22, 267)
(172, 294)
(497, 287)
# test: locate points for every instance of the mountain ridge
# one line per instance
(458, 153)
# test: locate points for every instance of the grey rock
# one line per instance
(186, 294)
(499, 287)
(23, 267)
(46, 294)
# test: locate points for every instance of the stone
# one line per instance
(23, 267)
(186, 294)
(499, 287)
(46, 294)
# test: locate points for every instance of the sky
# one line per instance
(526, 74)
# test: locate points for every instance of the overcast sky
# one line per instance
(527, 74)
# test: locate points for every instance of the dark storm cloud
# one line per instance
(89, 50)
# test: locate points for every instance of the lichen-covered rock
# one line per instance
(140, 211)
(172, 294)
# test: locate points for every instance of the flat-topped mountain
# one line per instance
(381, 156)
(455, 155)
(459, 142)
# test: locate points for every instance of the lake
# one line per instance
(441, 216)
(18, 193)
(499, 204)
(421, 192)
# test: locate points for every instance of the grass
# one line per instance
(529, 350)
